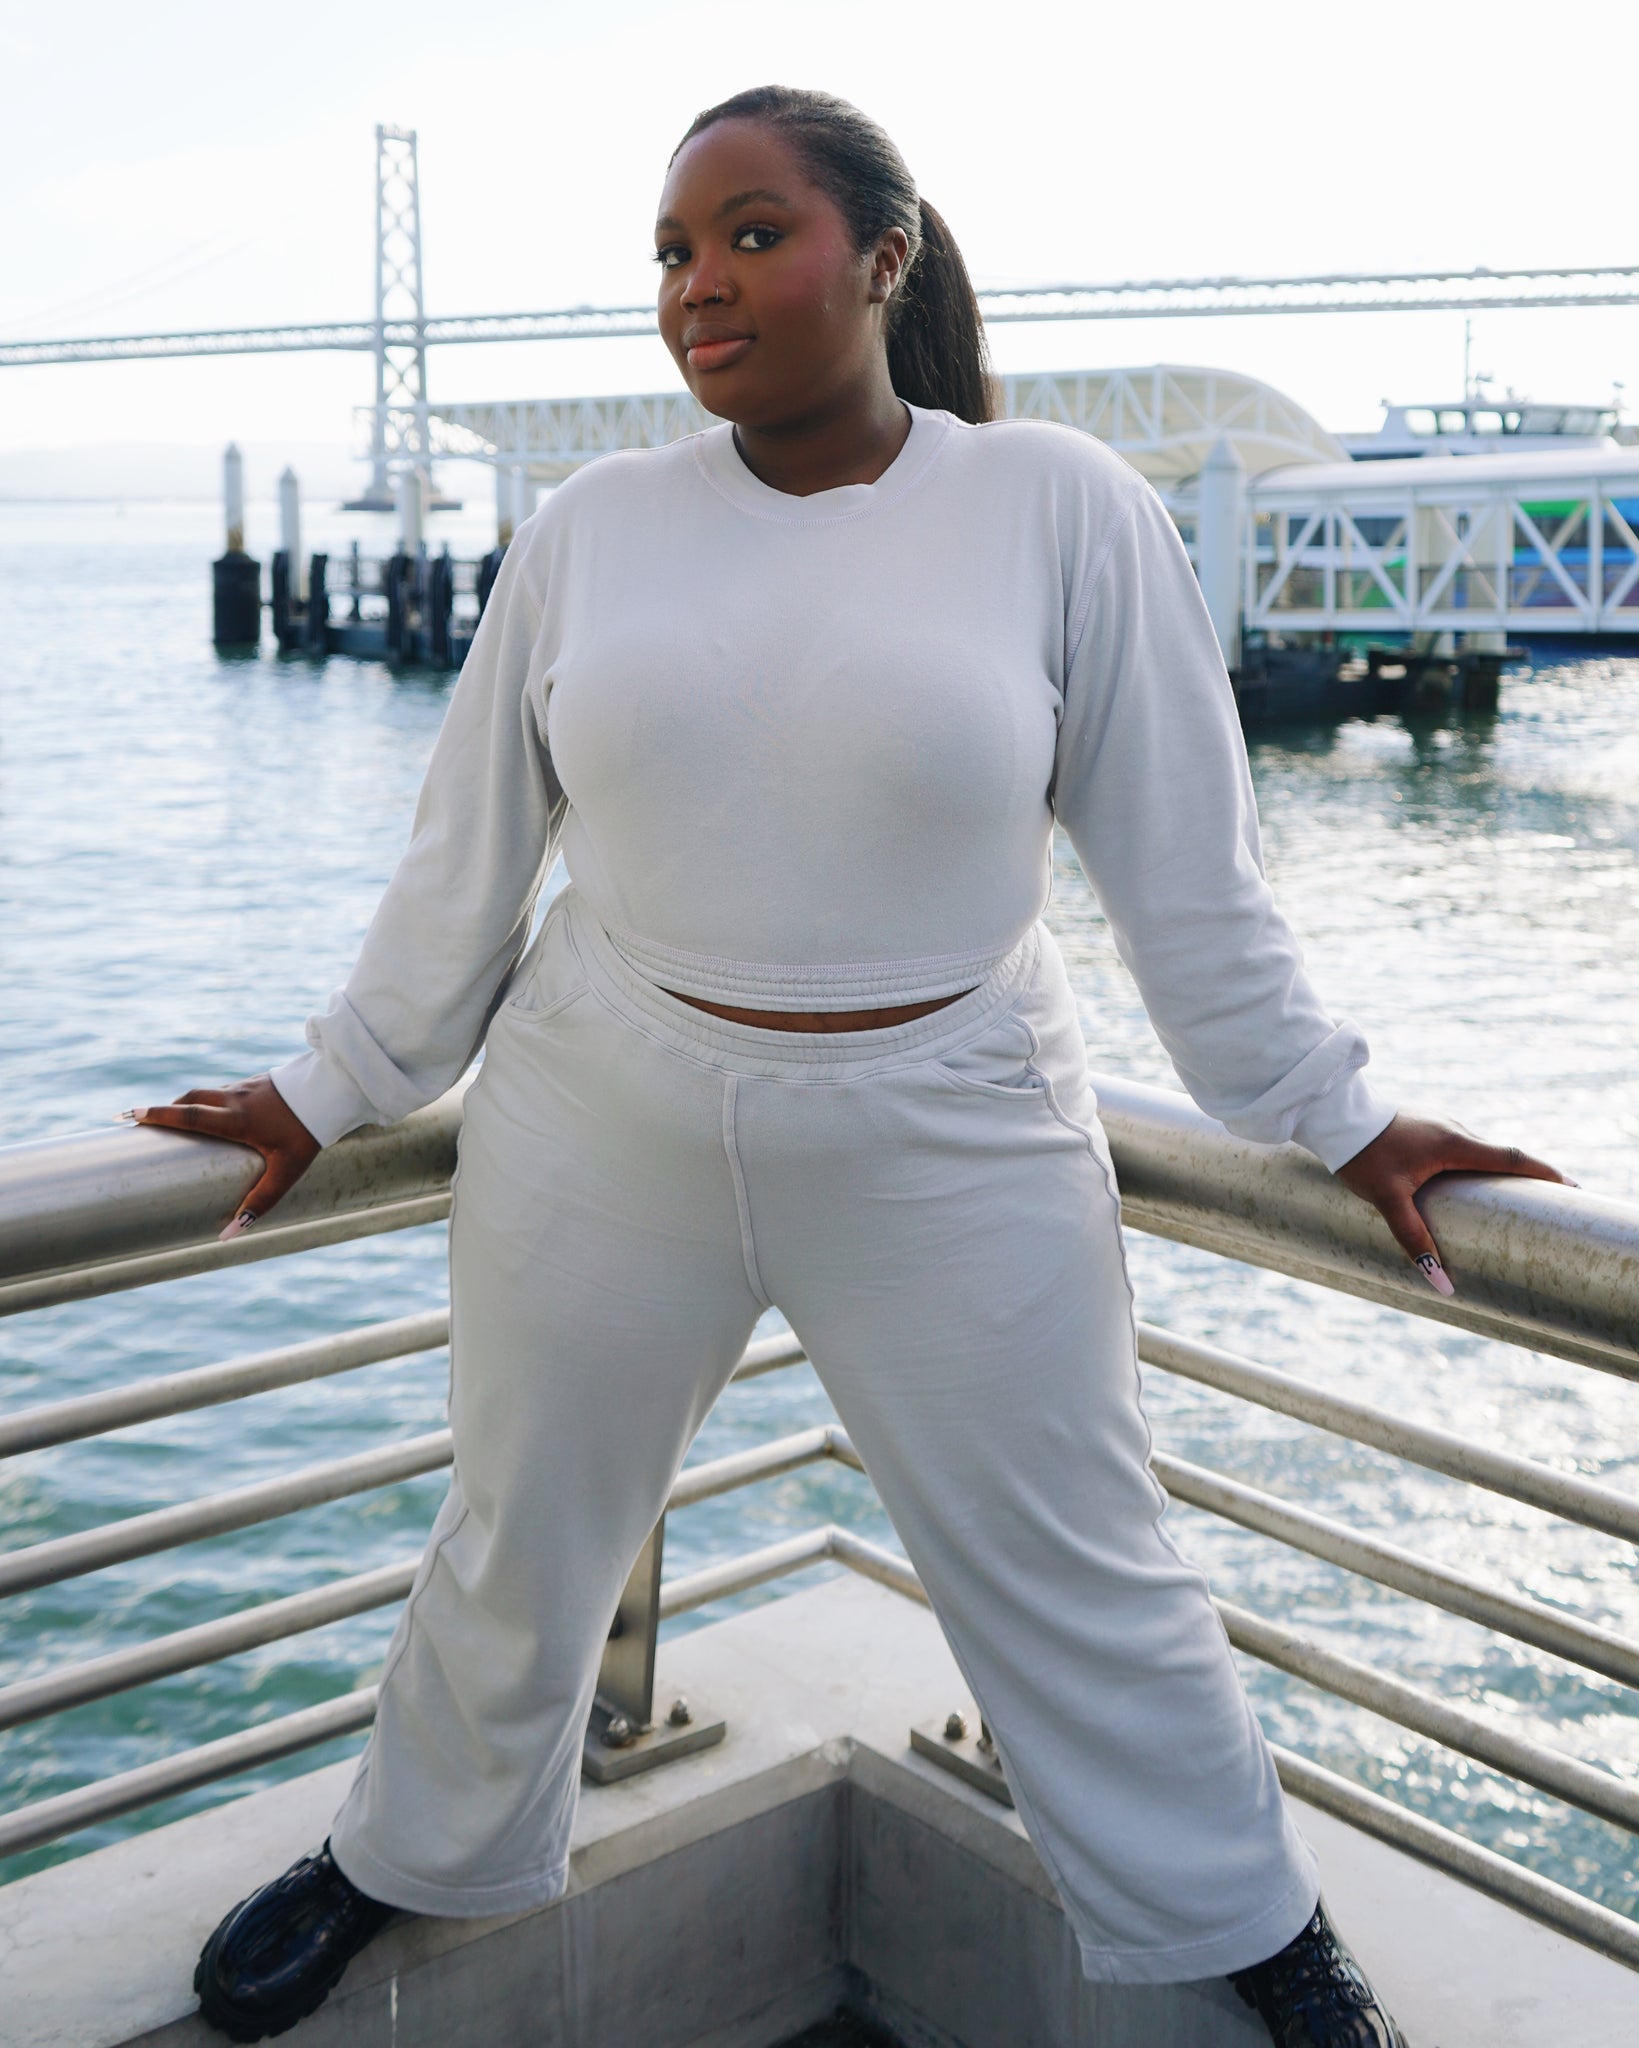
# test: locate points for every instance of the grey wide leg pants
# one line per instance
(933, 1208)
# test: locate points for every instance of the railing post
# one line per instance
(622, 1738)
(626, 1675)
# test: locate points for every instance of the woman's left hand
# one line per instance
(1389, 1171)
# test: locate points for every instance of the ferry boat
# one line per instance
(1482, 425)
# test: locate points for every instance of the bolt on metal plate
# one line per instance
(618, 1746)
(962, 1744)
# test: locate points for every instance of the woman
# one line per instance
(799, 699)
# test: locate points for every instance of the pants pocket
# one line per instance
(550, 976)
(999, 1060)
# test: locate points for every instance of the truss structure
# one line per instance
(1169, 298)
(1162, 419)
(549, 437)
(400, 335)
(1478, 544)
(1165, 418)
(214, 341)
(1403, 291)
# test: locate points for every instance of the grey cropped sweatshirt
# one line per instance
(806, 753)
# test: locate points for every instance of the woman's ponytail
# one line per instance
(936, 340)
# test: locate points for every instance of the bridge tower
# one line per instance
(399, 437)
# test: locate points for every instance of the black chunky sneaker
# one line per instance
(281, 1952)
(1313, 1994)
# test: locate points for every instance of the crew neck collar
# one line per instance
(725, 469)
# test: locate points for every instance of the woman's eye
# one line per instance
(670, 254)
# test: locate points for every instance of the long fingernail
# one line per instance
(1435, 1274)
(241, 1222)
(128, 1116)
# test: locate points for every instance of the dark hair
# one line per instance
(936, 341)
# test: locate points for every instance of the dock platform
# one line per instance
(809, 1865)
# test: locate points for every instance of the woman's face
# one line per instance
(769, 310)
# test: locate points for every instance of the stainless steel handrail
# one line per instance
(1611, 1934)
(106, 1210)
(66, 1813)
(48, 1820)
(762, 1461)
(1537, 1264)
(274, 1240)
(177, 1393)
(1565, 1494)
(187, 1649)
(1596, 1791)
(1597, 1649)
(301, 1613)
(1601, 1650)
(90, 1550)
(1516, 1756)
(1510, 1614)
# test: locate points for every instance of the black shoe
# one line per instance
(281, 1952)
(1313, 1994)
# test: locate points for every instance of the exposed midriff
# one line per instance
(819, 1020)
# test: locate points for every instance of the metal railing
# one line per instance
(1542, 1265)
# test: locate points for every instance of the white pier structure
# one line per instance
(1163, 418)
(1536, 542)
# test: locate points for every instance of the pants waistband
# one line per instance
(790, 1055)
(759, 985)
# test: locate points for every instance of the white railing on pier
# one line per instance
(1544, 1266)
(1532, 543)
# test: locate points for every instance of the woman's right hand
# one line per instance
(251, 1113)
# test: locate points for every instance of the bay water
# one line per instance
(190, 849)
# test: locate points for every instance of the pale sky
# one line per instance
(185, 164)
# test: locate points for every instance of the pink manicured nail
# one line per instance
(241, 1222)
(1435, 1274)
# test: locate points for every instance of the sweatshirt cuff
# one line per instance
(1343, 1121)
(325, 1098)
